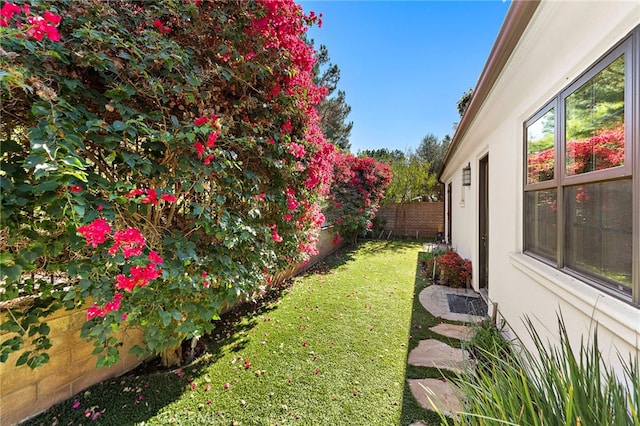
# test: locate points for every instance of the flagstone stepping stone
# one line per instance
(460, 332)
(436, 395)
(434, 353)
(434, 299)
(418, 423)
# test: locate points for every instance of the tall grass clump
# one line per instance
(549, 385)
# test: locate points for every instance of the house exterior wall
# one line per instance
(562, 40)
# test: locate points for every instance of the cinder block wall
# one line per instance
(422, 220)
(71, 368)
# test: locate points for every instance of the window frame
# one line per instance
(629, 46)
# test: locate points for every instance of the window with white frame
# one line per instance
(581, 211)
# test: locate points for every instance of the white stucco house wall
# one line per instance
(563, 234)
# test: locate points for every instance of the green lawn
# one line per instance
(331, 349)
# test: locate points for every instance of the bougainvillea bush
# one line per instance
(160, 161)
(358, 187)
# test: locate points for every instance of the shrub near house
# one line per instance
(449, 269)
(165, 162)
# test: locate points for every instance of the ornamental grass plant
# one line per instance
(551, 385)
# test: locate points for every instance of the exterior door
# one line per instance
(483, 204)
(449, 206)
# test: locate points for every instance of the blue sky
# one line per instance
(405, 64)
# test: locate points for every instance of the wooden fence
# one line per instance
(414, 220)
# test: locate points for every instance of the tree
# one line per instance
(383, 154)
(433, 151)
(464, 101)
(333, 114)
(411, 180)
(333, 110)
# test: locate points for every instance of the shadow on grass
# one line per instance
(421, 321)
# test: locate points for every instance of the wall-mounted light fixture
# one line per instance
(466, 175)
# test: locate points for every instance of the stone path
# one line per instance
(439, 394)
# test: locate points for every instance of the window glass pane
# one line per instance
(599, 223)
(595, 122)
(540, 148)
(540, 222)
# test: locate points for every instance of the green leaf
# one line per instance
(6, 258)
(45, 186)
(118, 126)
(23, 358)
(13, 273)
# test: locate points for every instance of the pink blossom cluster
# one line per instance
(37, 26)
(204, 150)
(96, 232)
(97, 311)
(150, 196)
(130, 240)
(140, 276)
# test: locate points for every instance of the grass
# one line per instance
(330, 349)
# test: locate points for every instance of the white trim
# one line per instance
(618, 317)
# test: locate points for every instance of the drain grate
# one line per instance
(467, 305)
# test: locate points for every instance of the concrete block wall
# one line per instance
(421, 220)
(72, 368)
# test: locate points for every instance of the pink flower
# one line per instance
(131, 241)
(75, 405)
(286, 127)
(95, 233)
(170, 198)
(95, 311)
(134, 193)
(199, 149)
(8, 10)
(227, 386)
(154, 258)
(151, 197)
(337, 239)
(297, 150)
(277, 238)
(208, 159)
(287, 217)
(100, 208)
(52, 18)
(211, 140)
(200, 121)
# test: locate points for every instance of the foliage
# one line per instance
(449, 268)
(333, 110)
(464, 101)
(333, 113)
(358, 187)
(163, 162)
(383, 155)
(550, 385)
(412, 180)
(344, 319)
(433, 151)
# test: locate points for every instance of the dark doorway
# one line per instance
(483, 204)
(449, 205)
